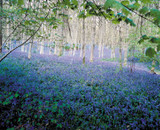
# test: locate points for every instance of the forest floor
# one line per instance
(51, 92)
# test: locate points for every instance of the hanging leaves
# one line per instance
(130, 21)
(150, 52)
(144, 10)
(82, 14)
(155, 13)
(150, 38)
(155, 40)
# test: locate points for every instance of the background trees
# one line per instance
(78, 24)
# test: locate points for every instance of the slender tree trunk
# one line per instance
(22, 47)
(55, 49)
(84, 44)
(42, 47)
(153, 67)
(113, 52)
(60, 45)
(120, 48)
(125, 54)
(81, 49)
(92, 52)
(99, 50)
(93, 40)
(30, 49)
(75, 48)
(102, 50)
(1, 35)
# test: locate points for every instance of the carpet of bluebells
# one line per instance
(50, 92)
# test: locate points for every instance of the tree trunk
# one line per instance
(84, 44)
(1, 35)
(120, 48)
(81, 49)
(42, 47)
(113, 52)
(92, 52)
(153, 67)
(93, 40)
(30, 49)
(102, 50)
(125, 54)
(55, 49)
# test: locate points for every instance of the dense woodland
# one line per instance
(80, 64)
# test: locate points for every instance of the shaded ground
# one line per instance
(61, 93)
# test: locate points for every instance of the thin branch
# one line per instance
(131, 11)
(140, 15)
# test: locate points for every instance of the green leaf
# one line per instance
(35, 116)
(12, 2)
(144, 10)
(20, 2)
(125, 2)
(126, 11)
(19, 119)
(53, 121)
(11, 97)
(117, 5)
(16, 95)
(115, 21)
(145, 37)
(82, 14)
(150, 52)
(155, 40)
(66, 2)
(146, 1)
(134, 6)
(59, 126)
(155, 13)
(75, 2)
(130, 21)
(158, 47)
(108, 4)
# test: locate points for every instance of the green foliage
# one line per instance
(82, 14)
(125, 2)
(154, 12)
(20, 2)
(130, 21)
(150, 52)
(134, 6)
(155, 40)
(158, 47)
(144, 10)
(108, 4)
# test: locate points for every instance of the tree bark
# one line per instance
(84, 44)
(153, 67)
(30, 49)
(120, 48)
(125, 54)
(1, 35)
(113, 52)
(92, 52)
(93, 40)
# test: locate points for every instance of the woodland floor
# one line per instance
(49, 92)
